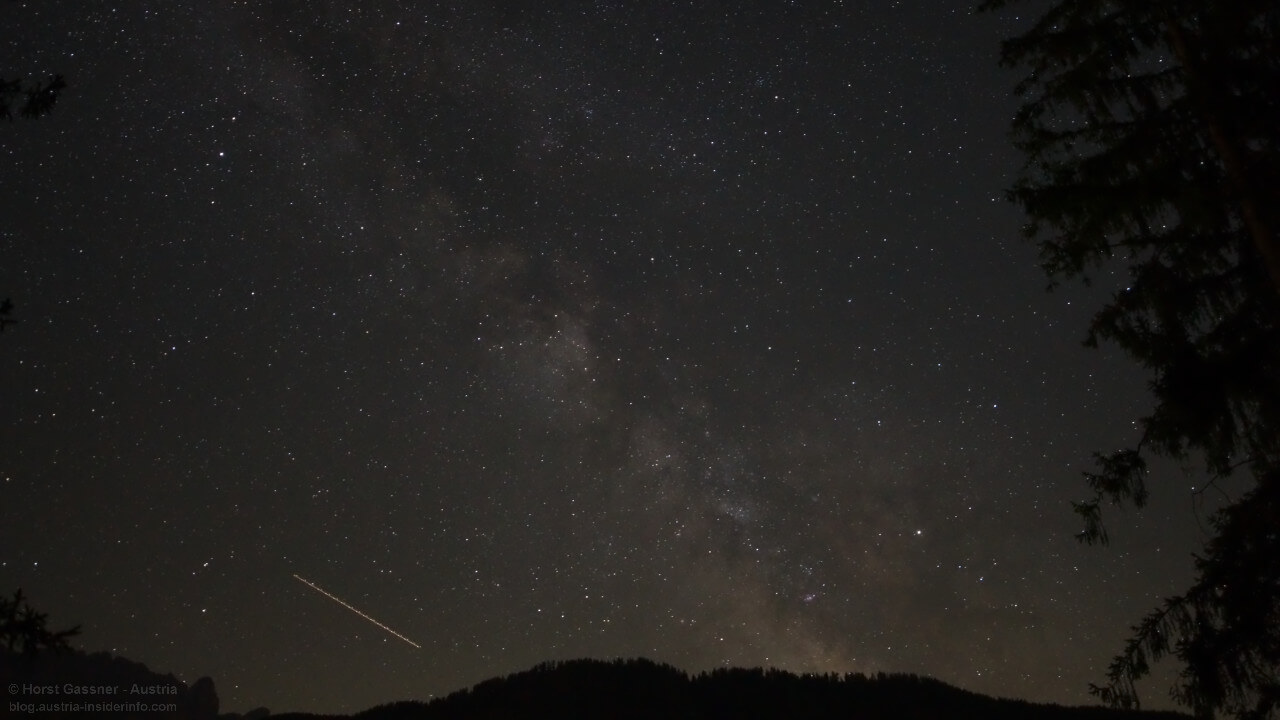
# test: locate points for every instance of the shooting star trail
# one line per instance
(343, 603)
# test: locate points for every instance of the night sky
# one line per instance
(699, 331)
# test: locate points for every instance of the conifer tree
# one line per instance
(29, 99)
(25, 631)
(1151, 132)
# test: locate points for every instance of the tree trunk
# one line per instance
(1261, 227)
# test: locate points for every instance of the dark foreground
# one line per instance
(617, 690)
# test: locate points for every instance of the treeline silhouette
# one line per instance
(641, 689)
(56, 668)
(638, 689)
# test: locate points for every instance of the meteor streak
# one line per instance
(343, 603)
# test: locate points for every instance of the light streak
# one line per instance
(344, 604)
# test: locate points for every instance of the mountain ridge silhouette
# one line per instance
(618, 689)
(640, 689)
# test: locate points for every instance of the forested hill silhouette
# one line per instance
(642, 690)
(67, 676)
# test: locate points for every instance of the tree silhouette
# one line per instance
(30, 99)
(25, 631)
(6, 309)
(640, 689)
(1150, 134)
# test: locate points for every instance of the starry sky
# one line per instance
(698, 331)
